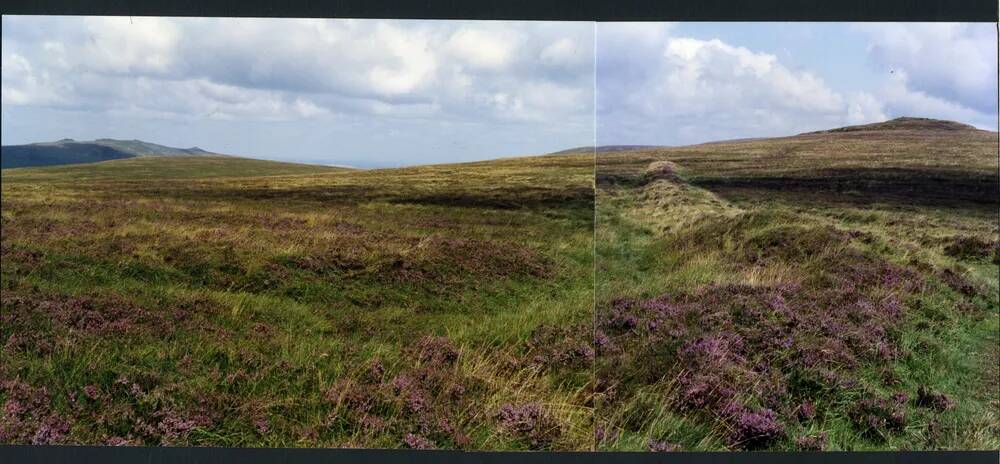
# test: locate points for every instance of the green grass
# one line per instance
(247, 291)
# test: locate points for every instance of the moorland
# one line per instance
(835, 290)
(223, 301)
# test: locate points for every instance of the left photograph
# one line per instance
(297, 233)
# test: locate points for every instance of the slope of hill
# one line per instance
(69, 151)
(835, 290)
(163, 301)
(163, 167)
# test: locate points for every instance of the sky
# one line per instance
(686, 83)
(366, 93)
(377, 93)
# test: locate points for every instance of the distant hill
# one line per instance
(69, 151)
(603, 149)
(903, 124)
(162, 168)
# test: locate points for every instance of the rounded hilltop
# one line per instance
(906, 123)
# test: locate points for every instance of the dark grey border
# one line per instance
(581, 10)
(112, 455)
(156, 455)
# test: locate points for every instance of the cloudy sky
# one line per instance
(373, 93)
(356, 92)
(684, 83)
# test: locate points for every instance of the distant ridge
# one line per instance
(903, 123)
(603, 149)
(69, 151)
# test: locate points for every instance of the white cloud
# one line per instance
(658, 87)
(696, 72)
(901, 99)
(863, 108)
(938, 70)
(24, 84)
(566, 52)
(956, 62)
(284, 68)
(679, 90)
(483, 49)
(411, 62)
(126, 45)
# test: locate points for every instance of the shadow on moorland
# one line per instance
(895, 186)
(504, 198)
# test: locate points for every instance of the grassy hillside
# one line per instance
(69, 151)
(834, 290)
(230, 302)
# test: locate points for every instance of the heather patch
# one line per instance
(530, 422)
(558, 347)
(433, 262)
(661, 446)
(446, 260)
(28, 416)
(21, 259)
(603, 435)
(811, 442)
(876, 417)
(26, 315)
(755, 360)
(425, 400)
(955, 280)
(344, 259)
(755, 429)
(973, 248)
(421, 403)
(933, 400)
(123, 410)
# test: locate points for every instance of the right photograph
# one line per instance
(797, 237)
